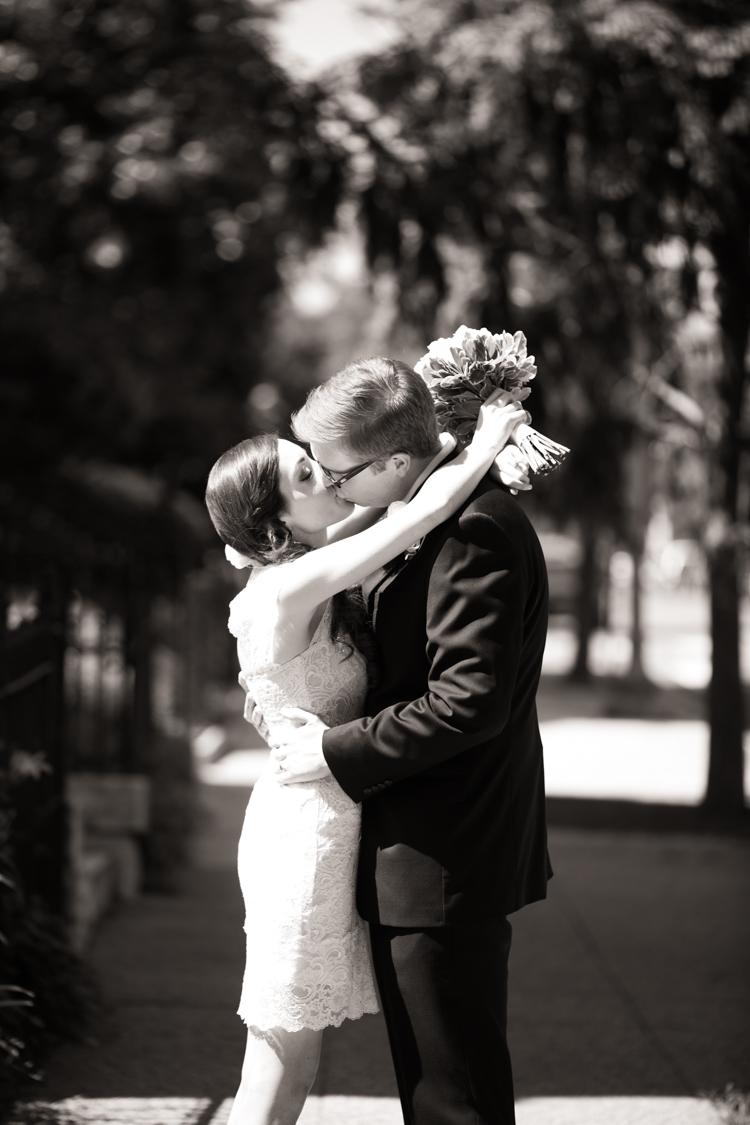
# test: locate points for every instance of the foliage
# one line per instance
(569, 142)
(156, 164)
(593, 157)
(46, 995)
(581, 147)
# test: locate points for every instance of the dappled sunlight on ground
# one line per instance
(608, 739)
(649, 760)
(616, 1111)
(628, 759)
(342, 1110)
(121, 1111)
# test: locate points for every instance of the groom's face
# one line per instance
(369, 488)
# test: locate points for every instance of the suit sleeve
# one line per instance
(475, 613)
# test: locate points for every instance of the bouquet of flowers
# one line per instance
(464, 370)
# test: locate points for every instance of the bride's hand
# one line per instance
(498, 417)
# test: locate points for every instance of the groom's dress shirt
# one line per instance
(448, 759)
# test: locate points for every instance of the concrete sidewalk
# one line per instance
(629, 994)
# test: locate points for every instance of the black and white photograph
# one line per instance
(374, 562)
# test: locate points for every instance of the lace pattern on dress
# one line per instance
(307, 956)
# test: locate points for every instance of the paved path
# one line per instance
(629, 994)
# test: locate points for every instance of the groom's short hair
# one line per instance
(374, 407)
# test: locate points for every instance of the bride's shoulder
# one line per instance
(258, 599)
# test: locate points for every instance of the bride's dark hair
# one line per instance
(245, 504)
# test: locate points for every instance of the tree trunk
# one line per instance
(636, 618)
(726, 767)
(587, 604)
(725, 790)
(638, 493)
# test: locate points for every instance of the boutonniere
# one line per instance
(410, 552)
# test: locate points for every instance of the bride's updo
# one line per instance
(245, 503)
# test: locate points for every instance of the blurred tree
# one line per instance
(156, 165)
(574, 145)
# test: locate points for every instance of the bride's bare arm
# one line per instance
(359, 520)
(315, 577)
(509, 468)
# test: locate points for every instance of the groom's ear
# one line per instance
(401, 463)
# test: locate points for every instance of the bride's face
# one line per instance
(309, 506)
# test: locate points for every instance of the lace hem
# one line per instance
(367, 1008)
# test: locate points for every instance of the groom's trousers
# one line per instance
(444, 993)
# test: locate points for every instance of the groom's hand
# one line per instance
(301, 759)
(511, 468)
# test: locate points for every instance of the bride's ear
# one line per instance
(401, 463)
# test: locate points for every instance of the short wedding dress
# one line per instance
(308, 962)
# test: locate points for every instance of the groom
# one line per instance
(448, 760)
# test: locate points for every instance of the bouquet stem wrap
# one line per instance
(465, 369)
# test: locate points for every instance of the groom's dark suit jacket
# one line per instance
(448, 763)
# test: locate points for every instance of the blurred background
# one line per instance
(208, 206)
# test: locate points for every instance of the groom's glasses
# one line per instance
(337, 479)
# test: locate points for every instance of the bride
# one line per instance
(298, 630)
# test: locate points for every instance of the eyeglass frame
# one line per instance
(336, 481)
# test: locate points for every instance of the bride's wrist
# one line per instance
(483, 449)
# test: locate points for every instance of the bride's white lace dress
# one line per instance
(308, 962)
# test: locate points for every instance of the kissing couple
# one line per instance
(393, 665)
